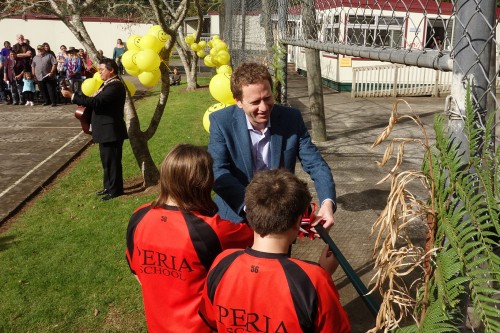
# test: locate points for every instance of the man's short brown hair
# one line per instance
(275, 199)
(246, 74)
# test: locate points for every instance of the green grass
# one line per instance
(62, 262)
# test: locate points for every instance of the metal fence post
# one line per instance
(395, 83)
(472, 62)
(436, 83)
(472, 55)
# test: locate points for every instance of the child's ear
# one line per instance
(296, 225)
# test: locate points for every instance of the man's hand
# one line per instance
(325, 214)
(328, 261)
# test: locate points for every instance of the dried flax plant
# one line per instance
(397, 256)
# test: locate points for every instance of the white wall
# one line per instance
(54, 32)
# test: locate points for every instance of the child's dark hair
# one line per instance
(275, 200)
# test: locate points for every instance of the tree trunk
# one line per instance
(314, 80)
(190, 63)
(139, 145)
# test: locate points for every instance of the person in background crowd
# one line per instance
(17, 46)
(118, 51)
(61, 59)
(108, 127)
(261, 287)
(181, 226)
(32, 51)
(6, 49)
(24, 52)
(101, 53)
(2, 82)
(13, 75)
(44, 67)
(28, 88)
(175, 80)
(48, 50)
(88, 69)
(73, 67)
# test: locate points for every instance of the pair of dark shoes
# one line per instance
(106, 195)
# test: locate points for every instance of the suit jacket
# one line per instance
(230, 147)
(107, 112)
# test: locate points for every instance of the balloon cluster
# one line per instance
(218, 54)
(141, 59)
(220, 84)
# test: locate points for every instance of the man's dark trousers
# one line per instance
(48, 88)
(111, 159)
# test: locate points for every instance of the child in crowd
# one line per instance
(175, 80)
(28, 88)
(261, 288)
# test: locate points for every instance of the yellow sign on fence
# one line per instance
(345, 62)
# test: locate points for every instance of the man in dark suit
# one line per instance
(255, 134)
(107, 125)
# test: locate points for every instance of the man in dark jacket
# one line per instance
(107, 125)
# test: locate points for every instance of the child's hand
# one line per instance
(328, 261)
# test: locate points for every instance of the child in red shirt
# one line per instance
(261, 289)
(172, 242)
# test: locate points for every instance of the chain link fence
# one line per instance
(457, 36)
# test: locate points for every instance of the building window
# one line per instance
(331, 29)
(385, 31)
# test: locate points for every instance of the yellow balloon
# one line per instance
(221, 45)
(200, 54)
(97, 77)
(211, 109)
(215, 37)
(130, 86)
(223, 57)
(154, 29)
(133, 72)
(195, 47)
(225, 69)
(202, 44)
(220, 88)
(213, 51)
(215, 61)
(129, 61)
(159, 33)
(208, 61)
(147, 60)
(133, 43)
(149, 79)
(151, 42)
(210, 43)
(89, 86)
(189, 39)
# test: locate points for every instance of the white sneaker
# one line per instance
(31, 103)
(27, 103)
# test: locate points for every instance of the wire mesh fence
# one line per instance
(456, 36)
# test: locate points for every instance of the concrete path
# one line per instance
(36, 142)
(352, 127)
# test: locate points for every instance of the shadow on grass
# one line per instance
(133, 188)
(6, 242)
